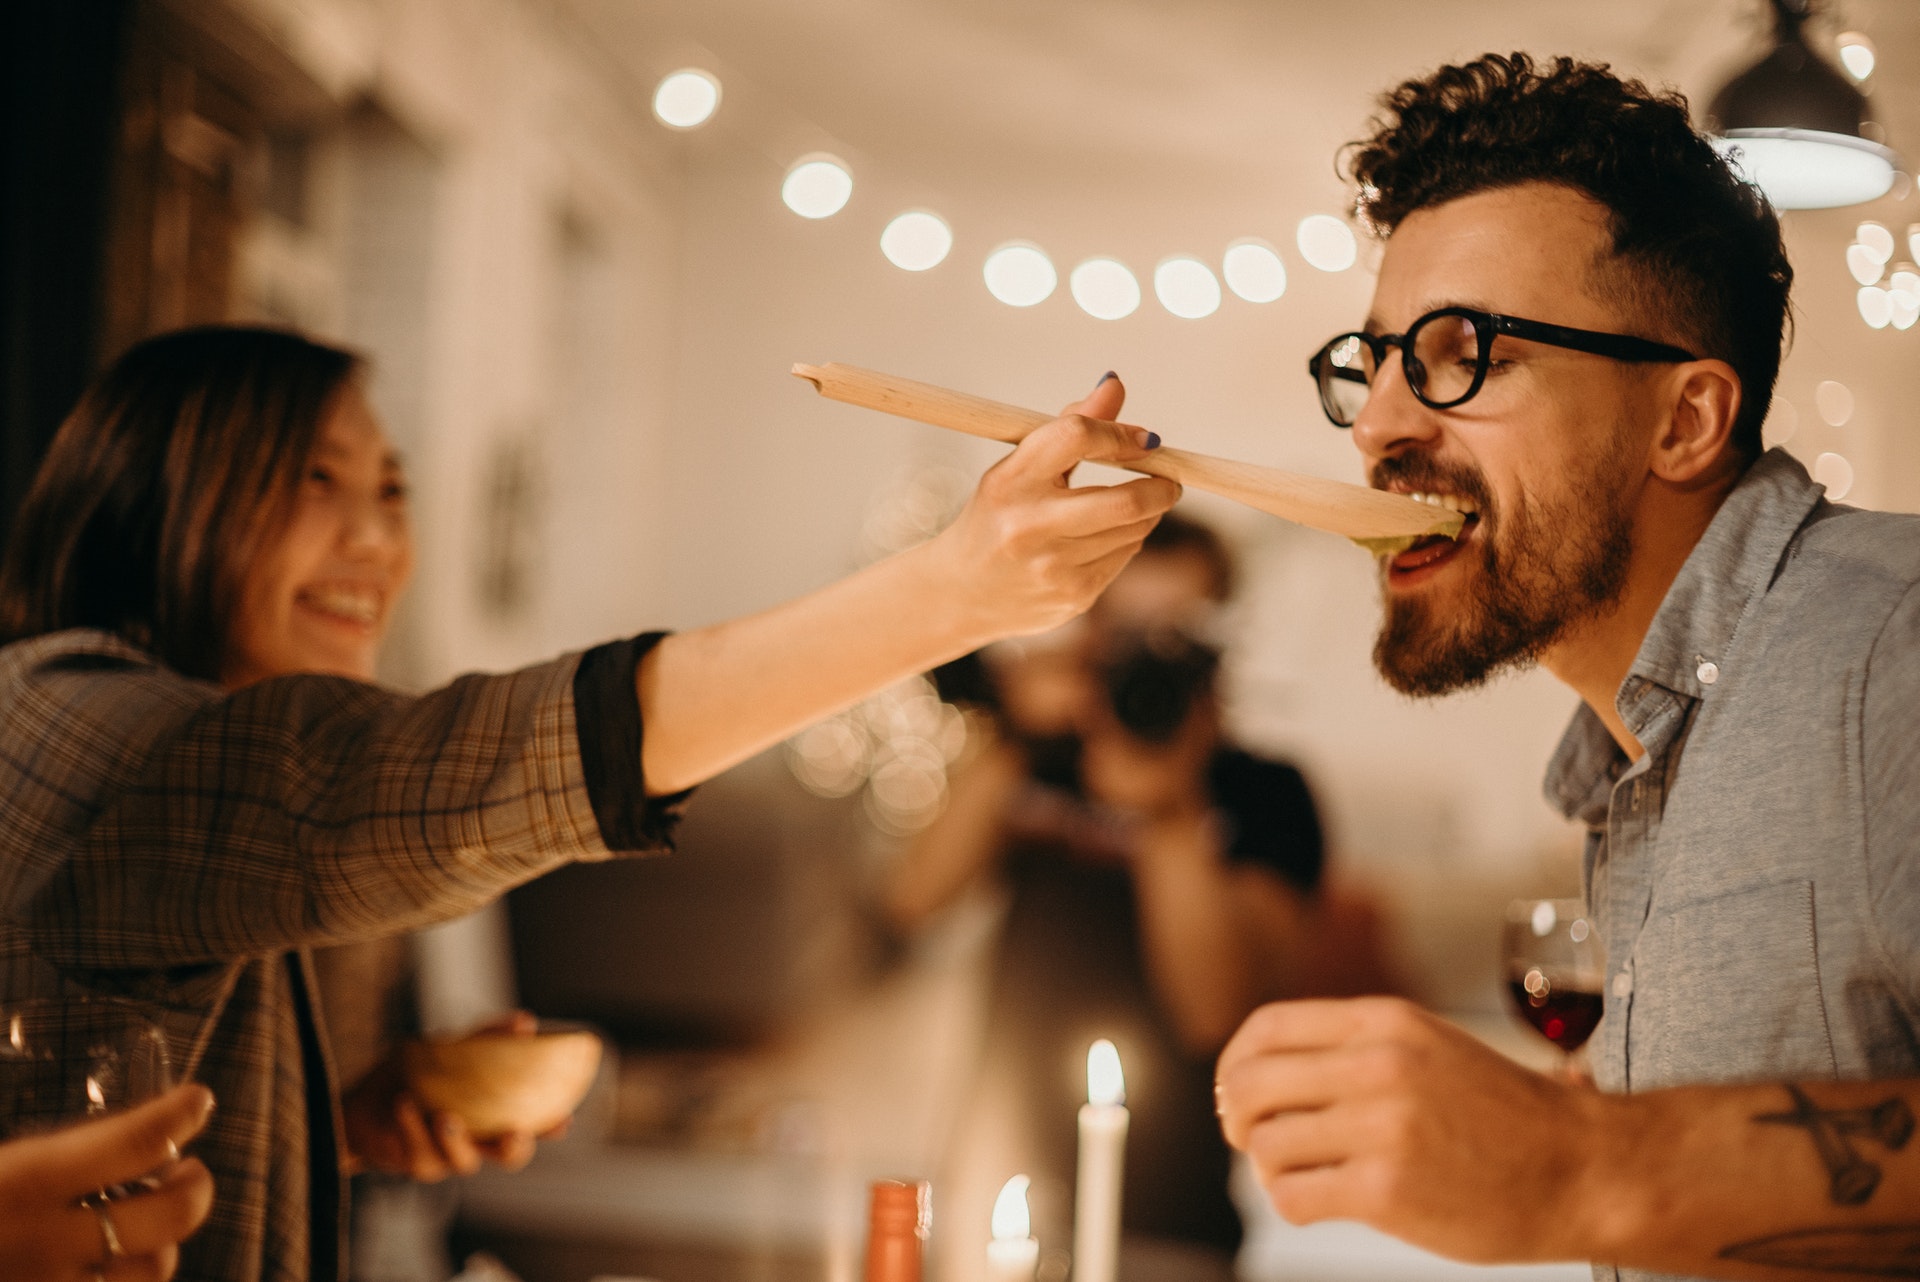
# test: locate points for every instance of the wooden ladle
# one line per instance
(1375, 519)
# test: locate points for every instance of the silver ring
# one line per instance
(98, 1205)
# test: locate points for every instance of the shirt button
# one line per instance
(1623, 985)
(1708, 672)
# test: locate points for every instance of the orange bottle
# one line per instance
(897, 1224)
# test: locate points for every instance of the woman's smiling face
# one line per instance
(320, 598)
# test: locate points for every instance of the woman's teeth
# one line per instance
(347, 603)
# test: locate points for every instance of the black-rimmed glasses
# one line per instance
(1446, 354)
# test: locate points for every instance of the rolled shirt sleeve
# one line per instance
(607, 713)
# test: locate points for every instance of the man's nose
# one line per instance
(1393, 421)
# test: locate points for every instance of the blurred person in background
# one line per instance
(205, 784)
(1162, 882)
(55, 1228)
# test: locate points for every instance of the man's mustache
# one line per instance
(1430, 476)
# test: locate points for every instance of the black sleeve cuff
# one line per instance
(606, 718)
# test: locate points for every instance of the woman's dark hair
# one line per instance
(179, 464)
(1697, 257)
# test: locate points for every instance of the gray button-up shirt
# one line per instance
(1756, 874)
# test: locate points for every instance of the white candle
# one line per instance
(1012, 1255)
(1103, 1151)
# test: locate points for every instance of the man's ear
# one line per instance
(1703, 403)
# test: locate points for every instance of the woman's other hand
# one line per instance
(46, 1235)
(1030, 551)
(389, 1130)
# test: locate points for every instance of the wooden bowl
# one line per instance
(501, 1082)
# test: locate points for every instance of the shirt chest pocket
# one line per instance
(1728, 989)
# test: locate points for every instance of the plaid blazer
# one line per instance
(164, 840)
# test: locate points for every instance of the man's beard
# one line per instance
(1544, 568)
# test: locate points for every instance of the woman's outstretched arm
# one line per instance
(1028, 552)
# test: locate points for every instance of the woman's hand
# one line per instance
(388, 1130)
(1029, 551)
(46, 1235)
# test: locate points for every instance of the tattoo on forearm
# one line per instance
(1852, 1177)
(1881, 1250)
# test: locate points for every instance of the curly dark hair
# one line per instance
(1696, 250)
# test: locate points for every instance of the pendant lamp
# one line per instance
(1791, 124)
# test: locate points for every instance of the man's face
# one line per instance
(1548, 457)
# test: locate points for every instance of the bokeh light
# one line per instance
(1187, 287)
(687, 98)
(1835, 403)
(916, 241)
(1856, 54)
(1020, 274)
(1866, 268)
(818, 186)
(1875, 239)
(1876, 306)
(1327, 243)
(1254, 270)
(1834, 472)
(894, 749)
(1105, 289)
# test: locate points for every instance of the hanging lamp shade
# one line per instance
(1791, 125)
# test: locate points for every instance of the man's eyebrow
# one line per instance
(1375, 325)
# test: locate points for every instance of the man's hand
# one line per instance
(1373, 1110)
(1029, 551)
(388, 1130)
(46, 1235)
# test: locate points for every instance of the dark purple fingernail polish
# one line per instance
(1153, 440)
(1104, 377)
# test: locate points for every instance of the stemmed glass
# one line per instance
(68, 1060)
(1556, 969)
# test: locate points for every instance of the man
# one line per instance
(1748, 657)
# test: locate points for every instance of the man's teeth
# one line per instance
(1452, 502)
(361, 607)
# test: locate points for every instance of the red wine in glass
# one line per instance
(1555, 969)
(1563, 1015)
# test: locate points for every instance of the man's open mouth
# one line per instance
(1435, 549)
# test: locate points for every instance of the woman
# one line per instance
(48, 1235)
(182, 820)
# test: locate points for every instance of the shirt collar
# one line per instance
(1727, 570)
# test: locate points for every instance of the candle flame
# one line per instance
(1010, 1219)
(1105, 1085)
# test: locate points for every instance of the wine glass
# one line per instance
(65, 1060)
(1556, 969)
